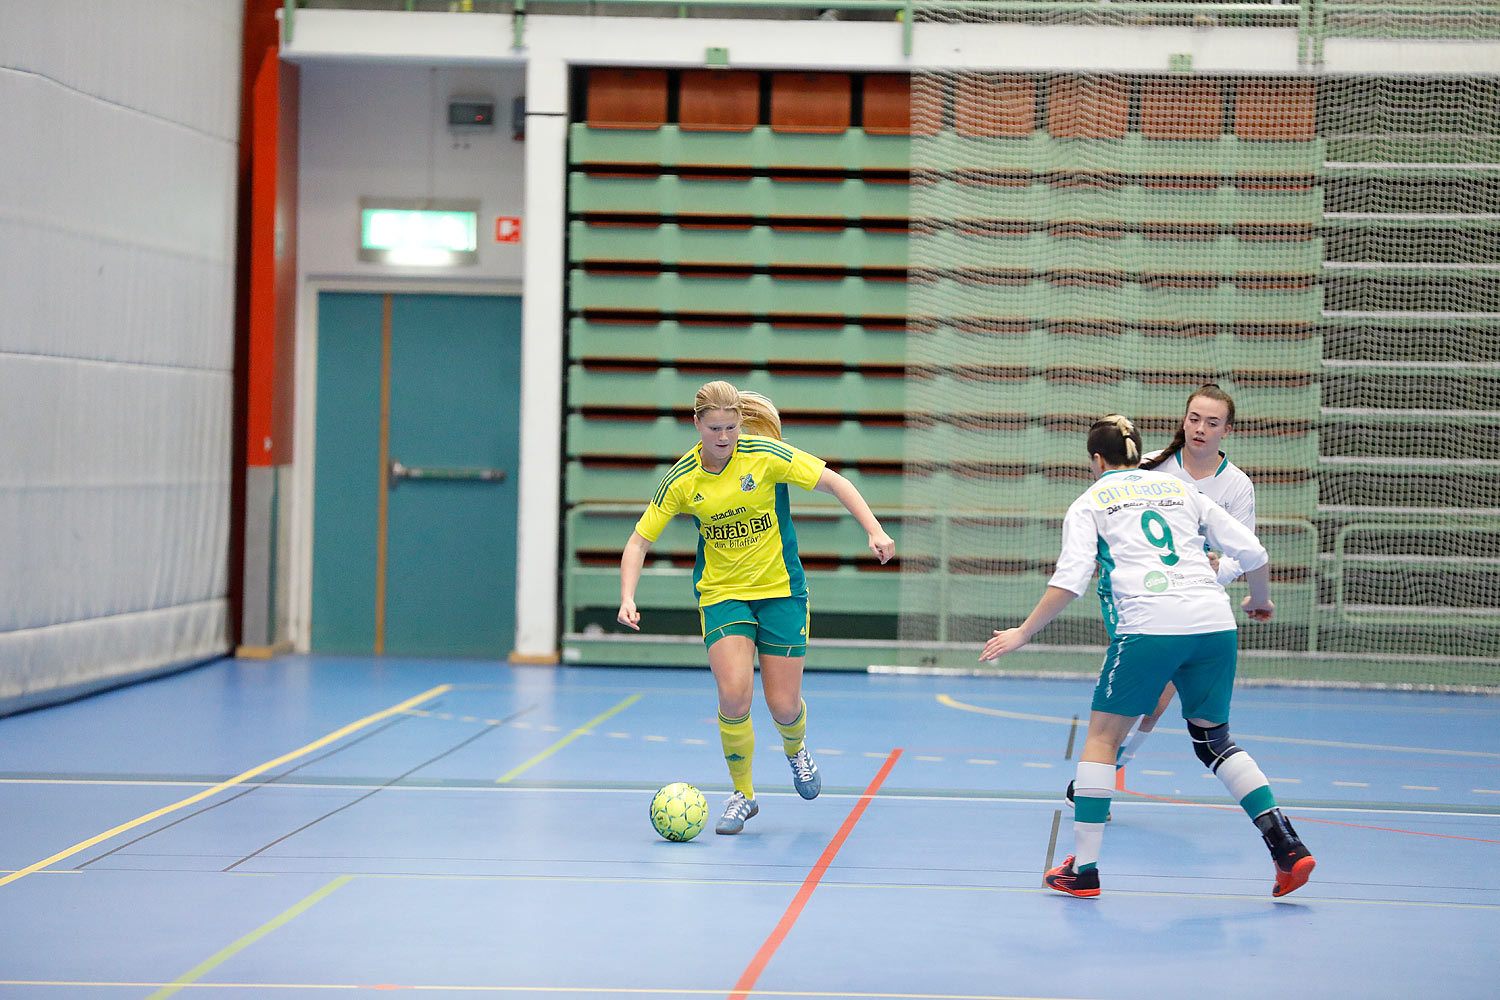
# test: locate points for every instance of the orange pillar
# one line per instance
(266, 277)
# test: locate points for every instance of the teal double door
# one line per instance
(414, 509)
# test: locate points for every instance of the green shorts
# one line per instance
(1137, 668)
(777, 624)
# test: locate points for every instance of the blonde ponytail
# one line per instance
(1131, 438)
(1115, 439)
(758, 415)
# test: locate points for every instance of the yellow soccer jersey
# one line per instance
(747, 547)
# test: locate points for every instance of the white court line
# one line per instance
(488, 788)
(952, 702)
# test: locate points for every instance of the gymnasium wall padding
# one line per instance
(116, 347)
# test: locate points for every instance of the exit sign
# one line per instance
(424, 232)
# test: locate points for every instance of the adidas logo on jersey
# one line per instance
(697, 498)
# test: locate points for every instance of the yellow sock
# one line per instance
(793, 732)
(738, 737)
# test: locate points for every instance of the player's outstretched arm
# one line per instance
(841, 489)
(631, 562)
(1241, 507)
(1012, 639)
(1258, 604)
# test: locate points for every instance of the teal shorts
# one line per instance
(1137, 668)
(778, 625)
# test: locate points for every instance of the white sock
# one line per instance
(1241, 775)
(1093, 787)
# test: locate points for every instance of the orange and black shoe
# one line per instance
(1294, 864)
(1064, 879)
(1294, 877)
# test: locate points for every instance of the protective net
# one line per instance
(1326, 249)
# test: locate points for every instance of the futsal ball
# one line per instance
(678, 811)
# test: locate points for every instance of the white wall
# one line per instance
(117, 219)
(380, 130)
(775, 44)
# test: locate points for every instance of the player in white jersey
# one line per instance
(1168, 620)
(1194, 457)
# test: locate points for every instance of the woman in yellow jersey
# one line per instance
(752, 594)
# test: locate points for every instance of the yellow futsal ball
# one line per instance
(678, 811)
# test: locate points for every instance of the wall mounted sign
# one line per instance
(425, 232)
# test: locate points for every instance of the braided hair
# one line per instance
(1208, 390)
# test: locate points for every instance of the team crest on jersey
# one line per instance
(747, 483)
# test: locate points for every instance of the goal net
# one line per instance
(1325, 248)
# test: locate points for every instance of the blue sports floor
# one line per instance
(315, 826)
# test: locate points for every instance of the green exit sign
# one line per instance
(421, 232)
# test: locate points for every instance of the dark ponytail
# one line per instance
(1209, 390)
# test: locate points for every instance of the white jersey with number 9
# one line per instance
(1145, 531)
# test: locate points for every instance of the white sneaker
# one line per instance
(805, 776)
(736, 811)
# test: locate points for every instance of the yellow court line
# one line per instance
(317, 744)
(580, 731)
(197, 972)
(982, 710)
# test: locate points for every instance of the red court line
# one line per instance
(1309, 819)
(1393, 829)
(758, 963)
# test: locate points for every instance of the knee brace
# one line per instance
(1212, 745)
